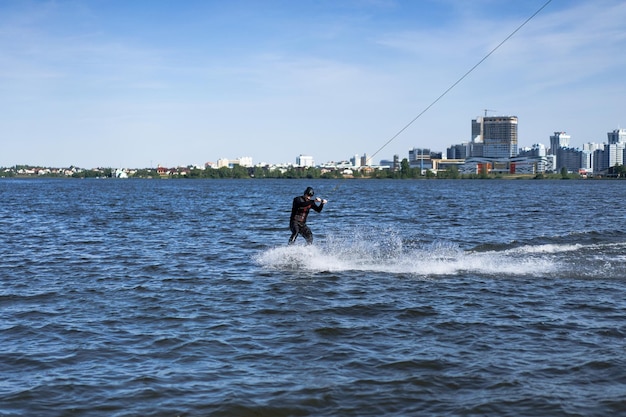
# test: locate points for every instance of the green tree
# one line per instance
(146, 173)
(452, 172)
(224, 172)
(259, 172)
(240, 172)
(273, 173)
(312, 172)
(6, 172)
(405, 168)
(195, 173)
(620, 171)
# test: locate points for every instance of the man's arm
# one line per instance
(300, 202)
(319, 207)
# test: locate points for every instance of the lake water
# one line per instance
(434, 298)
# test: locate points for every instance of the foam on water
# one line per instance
(547, 248)
(389, 255)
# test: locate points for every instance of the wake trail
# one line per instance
(390, 255)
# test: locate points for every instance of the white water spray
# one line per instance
(386, 252)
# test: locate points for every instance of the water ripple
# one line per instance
(124, 298)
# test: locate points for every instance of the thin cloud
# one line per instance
(338, 77)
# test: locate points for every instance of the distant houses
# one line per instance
(492, 149)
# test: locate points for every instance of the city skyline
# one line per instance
(140, 84)
(556, 139)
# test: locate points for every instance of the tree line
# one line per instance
(237, 171)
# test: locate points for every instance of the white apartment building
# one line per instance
(304, 161)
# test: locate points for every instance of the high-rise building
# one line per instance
(476, 143)
(477, 129)
(590, 157)
(460, 151)
(617, 136)
(568, 158)
(615, 153)
(499, 136)
(557, 141)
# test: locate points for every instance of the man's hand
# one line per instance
(324, 201)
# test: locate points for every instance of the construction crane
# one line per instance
(486, 110)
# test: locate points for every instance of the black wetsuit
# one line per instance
(297, 221)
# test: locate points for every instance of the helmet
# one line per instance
(309, 191)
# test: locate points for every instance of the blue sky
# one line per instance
(140, 83)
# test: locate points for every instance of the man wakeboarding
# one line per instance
(299, 212)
